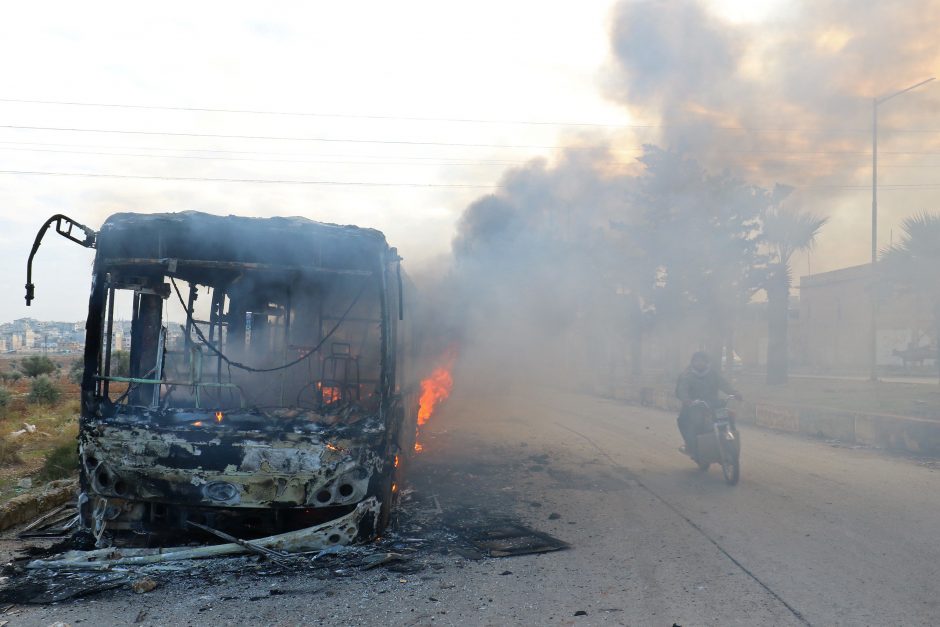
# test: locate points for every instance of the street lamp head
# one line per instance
(882, 99)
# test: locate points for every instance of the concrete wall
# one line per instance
(900, 433)
(835, 320)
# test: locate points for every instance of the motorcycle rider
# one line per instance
(699, 382)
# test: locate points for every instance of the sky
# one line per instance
(394, 116)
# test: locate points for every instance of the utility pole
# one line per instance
(873, 335)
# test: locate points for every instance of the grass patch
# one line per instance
(48, 453)
(6, 399)
(50, 450)
(61, 462)
(10, 451)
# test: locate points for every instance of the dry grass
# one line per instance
(47, 453)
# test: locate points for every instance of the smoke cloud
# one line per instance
(788, 99)
(574, 264)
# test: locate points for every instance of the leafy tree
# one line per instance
(36, 365)
(43, 391)
(76, 370)
(785, 233)
(703, 232)
(913, 264)
(120, 366)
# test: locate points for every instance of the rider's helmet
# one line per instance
(700, 361)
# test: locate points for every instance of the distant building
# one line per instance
(835, 321)
(30, 335)
(29, 338)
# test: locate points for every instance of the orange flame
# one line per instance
(329, 393)
(434, 390)
(218, 416)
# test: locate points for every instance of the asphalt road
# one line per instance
(813, 534)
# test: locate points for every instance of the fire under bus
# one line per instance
(262, 386)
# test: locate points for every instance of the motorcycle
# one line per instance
(718, 440)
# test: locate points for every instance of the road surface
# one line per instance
(813, 534)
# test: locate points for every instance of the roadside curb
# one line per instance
(26, 507)
(899, 433)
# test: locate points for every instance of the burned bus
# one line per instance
(261, 384)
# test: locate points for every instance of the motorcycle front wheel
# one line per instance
(730, 458)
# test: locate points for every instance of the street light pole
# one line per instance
(873, 336)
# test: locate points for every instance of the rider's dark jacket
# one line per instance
(702, 386)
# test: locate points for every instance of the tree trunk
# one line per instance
(636, 339)
(936, 317)
(636, 352)
(715, 337)
(729, 351)
(778, 297)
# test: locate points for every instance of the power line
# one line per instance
(467, 120)
(239, 180)
(263, 160)
(257, 152)
(343, 159)
(899, 186)
(613, 149)
(346, 159)
(349, 159)
(867, 188)
(350, 116)
(621, 150)
(271, 137)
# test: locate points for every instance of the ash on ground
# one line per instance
(422, 539)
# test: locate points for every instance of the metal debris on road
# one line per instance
(47, 587)
(59, 522)
(274, 556)
(507, 538)
(380, 559)
(334, 532)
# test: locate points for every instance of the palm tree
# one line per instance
(913, 264)
(785, 233)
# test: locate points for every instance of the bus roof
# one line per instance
(281, 241)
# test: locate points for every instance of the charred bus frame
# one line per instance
(279, 404)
